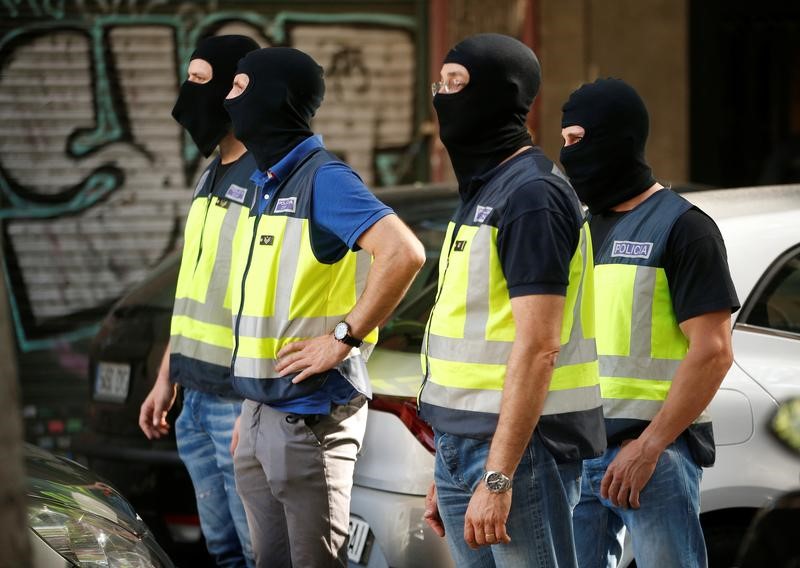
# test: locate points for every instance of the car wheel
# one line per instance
(722, 543)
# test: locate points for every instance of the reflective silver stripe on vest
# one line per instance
(638, 367)
(477, 302)
(639, 409)
(254, 368)
(644, 288)
(640, 364)
(469, 350)
(200, 351)
(287, 268)
(205, 313)
(275, 327)
(488, 401)
(578, 349)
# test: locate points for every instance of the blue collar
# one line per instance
(286, 164)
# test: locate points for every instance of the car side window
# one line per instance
(778, 303)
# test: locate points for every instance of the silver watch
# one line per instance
(496, 482)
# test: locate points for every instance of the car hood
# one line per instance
(58, 481)
(395, 373)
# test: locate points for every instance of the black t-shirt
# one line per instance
(695, 262)
(219, 174)
(536, 239)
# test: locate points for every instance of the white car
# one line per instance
(761, 227)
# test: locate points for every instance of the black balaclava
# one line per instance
(274, 112)
(607, 166)
(199, 106)
(484, 123)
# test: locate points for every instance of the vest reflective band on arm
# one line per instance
(472, 330)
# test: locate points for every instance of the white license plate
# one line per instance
(113, 380)
(359, 530)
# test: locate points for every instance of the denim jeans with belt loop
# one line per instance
(539, 523)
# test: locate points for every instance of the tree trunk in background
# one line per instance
(13, 519)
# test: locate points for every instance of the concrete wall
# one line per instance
(644, 42)
(95, 175)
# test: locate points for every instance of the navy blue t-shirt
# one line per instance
(538, 233)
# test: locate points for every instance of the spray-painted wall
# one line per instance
(95, 174)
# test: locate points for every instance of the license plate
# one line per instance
(359, 530)
(113, 380)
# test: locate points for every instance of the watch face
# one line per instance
(497, 482)
(340, 331)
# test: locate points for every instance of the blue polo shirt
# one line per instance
(342, 209)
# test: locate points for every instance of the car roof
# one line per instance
(758, 225)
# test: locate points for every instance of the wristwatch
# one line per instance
(342, 333)
(496, 482)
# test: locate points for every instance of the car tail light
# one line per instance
(406, 410)
(183, 528)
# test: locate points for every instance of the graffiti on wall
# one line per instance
(94, 173)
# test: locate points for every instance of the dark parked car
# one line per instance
(78, 519)
(124, 360)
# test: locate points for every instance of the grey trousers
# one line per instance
(294, 476)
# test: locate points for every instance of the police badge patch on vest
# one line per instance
(267, 240)
(482, 213)
(236, 193)
(460, 246)
(286, 205)
(631, 249)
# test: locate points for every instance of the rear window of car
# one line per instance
(777, 303)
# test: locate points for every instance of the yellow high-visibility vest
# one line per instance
(201, 335)
(286, 294)
(471, 330)
(639, 342)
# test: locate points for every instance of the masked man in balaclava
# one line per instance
(305, 313)
(199, 351)
(664, 301)
(510, 369)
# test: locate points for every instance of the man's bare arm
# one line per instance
(695, 382)
(154, 409)
(397, 257)
(528, 374)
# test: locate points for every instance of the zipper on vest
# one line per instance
(430, 317)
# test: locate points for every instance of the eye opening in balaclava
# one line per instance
(485, 122)
(273, 114)
(199, 107)
(607, 167)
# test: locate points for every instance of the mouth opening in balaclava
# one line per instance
(273, 114)
(607, 167)
(199, 108)
(485, 122)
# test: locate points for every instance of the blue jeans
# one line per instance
(665, 530)
(203, 431)
(540, 521)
